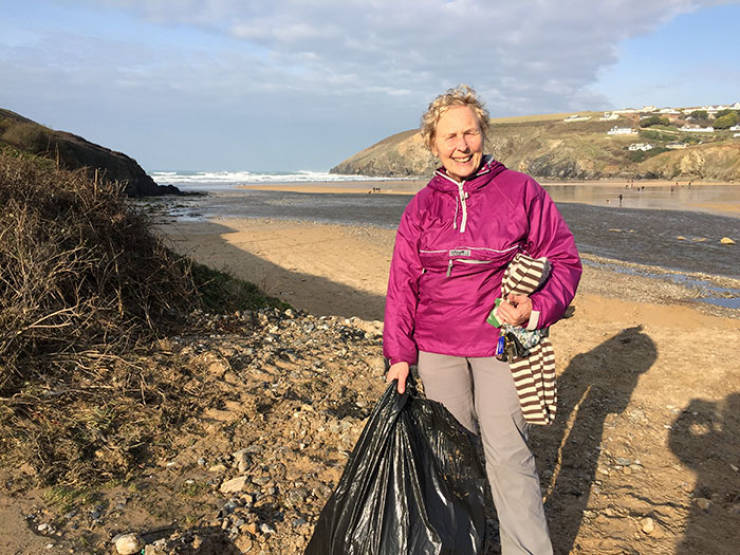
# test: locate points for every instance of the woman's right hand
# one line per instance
(398, 371)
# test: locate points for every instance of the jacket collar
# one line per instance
(489, 169)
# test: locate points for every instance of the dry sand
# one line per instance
(652, 379)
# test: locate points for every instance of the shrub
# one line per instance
(79, 269)
(654, 120)
(726, 121)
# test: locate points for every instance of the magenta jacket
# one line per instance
(452, 247)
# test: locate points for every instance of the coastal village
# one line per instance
(691, 120)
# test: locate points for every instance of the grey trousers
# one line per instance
(480, 393)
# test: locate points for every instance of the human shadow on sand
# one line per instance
(705, 438)
(594, 385)
(326, 297)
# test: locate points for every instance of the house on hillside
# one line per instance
(735, 127)
(621, 131)
(576, 117)
(609, 116)
(688, 129)
(640, 146)
(676, 146)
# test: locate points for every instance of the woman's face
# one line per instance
(458, 142)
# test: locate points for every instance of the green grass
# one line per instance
(223, 293)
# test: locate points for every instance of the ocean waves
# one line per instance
(227, 179)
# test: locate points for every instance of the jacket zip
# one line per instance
(463, 197)
(464, 261)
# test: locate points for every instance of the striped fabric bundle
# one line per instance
(534, 374)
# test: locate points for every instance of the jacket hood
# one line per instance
(489, 169)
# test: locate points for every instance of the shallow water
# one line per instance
(717, 199)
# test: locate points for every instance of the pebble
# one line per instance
(726, 241)
(128, 544)
(267, 528)
(703, 503)
(234, 485)
(648, 525)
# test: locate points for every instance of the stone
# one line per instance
(267, 528)
(234, 485)
(648, 525)
(128, 544)
(703, 503)
(243, 544)
(726, 241)
(217, 468)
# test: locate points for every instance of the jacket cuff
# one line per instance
(534, 320)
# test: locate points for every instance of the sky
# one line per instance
(286, 85)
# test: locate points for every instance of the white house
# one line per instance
(609, 116)
(676, 146)
(576, 117)
(621, 131)
(735, 128)
(688, 129)
(640, 146)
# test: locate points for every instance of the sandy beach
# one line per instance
(647, 376)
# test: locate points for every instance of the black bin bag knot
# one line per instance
(414, 483)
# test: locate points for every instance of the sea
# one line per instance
(675, 229)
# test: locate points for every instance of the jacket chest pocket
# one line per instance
(465, 260)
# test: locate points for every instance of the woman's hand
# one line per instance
(398, 371)
(515, 310)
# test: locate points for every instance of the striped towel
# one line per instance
(534, 374)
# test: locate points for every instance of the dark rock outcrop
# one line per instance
(73, 152)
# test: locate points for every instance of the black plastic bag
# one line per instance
(414, 483)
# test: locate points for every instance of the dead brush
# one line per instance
(83, 286)
(78, 269)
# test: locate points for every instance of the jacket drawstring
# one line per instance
(457, 205)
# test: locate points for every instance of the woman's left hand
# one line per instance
(515, 310)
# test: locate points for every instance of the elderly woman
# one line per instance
(455, 239)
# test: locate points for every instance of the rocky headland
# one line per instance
(550, 148)
(73, 152)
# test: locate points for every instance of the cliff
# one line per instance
(551, 148)
(73, 152)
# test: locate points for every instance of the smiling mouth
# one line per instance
(464, 160)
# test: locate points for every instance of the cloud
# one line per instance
(532, 55)
(364, 68)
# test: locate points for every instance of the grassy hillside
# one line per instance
(71, 152)
(546, 146)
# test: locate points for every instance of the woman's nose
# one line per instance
(461, 144)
